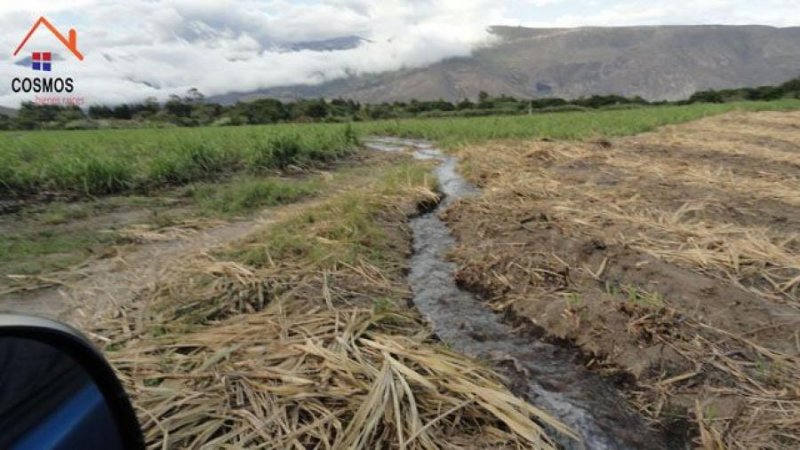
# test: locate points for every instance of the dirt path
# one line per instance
(103, 285)
(107, 283)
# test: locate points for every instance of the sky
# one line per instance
(154, 48)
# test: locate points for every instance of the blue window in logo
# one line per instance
(42, 61)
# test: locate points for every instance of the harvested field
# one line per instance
(671, 259)
(299, 335)
(266, 294)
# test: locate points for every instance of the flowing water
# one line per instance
(548, 376)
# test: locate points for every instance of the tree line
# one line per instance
(192, 109)
(763, 93)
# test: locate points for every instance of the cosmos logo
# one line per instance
(42, 61)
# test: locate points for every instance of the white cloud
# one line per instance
(147, 48)
(676, 12)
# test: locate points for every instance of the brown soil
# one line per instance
(670, 257)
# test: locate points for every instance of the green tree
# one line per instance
(100, 112)
(484, 100)
(123, 112)
(32, 116)
(706, 97)
(264, 110)
(465, 104)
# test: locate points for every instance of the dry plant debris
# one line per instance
(298, 336)
(672, 257)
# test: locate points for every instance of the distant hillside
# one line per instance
(10, 112)
(656, 63)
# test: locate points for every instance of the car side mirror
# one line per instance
(58, 392)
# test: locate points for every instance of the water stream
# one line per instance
(548, 376)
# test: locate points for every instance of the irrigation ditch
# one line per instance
(548, 376)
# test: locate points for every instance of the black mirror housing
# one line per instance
(58, 391)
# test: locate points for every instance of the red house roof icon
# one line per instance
(71, 43)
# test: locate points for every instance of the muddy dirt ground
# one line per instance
(89, 258)
(671, 259)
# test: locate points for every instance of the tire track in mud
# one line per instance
(546, 375)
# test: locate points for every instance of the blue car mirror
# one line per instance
(58, 392)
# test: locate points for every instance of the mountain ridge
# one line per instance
(655, 62)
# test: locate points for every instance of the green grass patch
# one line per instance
(451, 132)
(643, 299)
(143, 160)
(344, 229)
(46, 250)
(242, 195)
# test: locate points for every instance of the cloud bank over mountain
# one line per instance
(154, 48)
